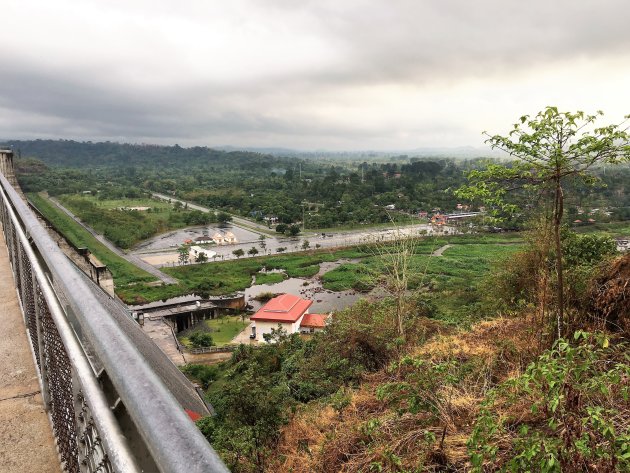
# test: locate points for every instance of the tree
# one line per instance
(252, 251)
(223, 218)
(199, 339)
(293, 230)
(238, 253)
(281, 228)
(394, 271)
(183, 254)
(306, 245)
(550, 150)
(281, 249)
(262, 243)
(202, 257)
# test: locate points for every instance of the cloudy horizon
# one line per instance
(353, 75)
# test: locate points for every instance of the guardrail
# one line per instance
(110, 412)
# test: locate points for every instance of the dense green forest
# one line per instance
(327, 193)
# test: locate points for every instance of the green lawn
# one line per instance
(124, 272)
(452, 281)
(223, 329)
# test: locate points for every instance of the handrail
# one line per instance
(173, 442)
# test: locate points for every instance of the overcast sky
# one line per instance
(336, 75)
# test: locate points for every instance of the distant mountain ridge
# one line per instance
(86, 153)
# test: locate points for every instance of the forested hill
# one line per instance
(68, 153)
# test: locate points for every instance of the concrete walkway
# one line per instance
(26, 441)
(441, 250)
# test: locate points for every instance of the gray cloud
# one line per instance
(312, 74)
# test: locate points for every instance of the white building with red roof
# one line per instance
(312, 323)
(287, 311)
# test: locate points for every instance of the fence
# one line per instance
(110, 412)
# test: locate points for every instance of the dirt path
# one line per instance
(441, 250)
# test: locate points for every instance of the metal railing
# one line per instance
(109, 410)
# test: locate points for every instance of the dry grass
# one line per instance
(610, 295)
(370, 432)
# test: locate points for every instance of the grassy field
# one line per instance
(125, 227)
(124, 272)
(223, 329)
(614, 229)
(111, 204)
(452, 281)
(231, 276)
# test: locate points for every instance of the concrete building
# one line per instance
(195, 251)
(287, 312)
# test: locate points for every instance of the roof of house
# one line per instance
(313, 320)
(285, 308)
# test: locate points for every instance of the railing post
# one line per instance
(19, 277)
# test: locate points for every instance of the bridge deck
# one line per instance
(26, 440)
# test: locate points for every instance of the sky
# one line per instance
(334, 75)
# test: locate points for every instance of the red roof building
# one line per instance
(286, 308)
(290, 313)
(314, 321)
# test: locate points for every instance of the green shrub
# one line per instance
(200, 339)
(203, 373)
(563, 414)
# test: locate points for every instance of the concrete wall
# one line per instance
(6, 167)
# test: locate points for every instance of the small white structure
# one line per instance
(229, 238)
(203, 240)
(195, 251)
(218, 238)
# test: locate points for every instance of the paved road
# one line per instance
(293, 245)
(133, 259)
(238, 221)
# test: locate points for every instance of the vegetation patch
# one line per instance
(270, 278)
(121, 221)
(124, 273)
